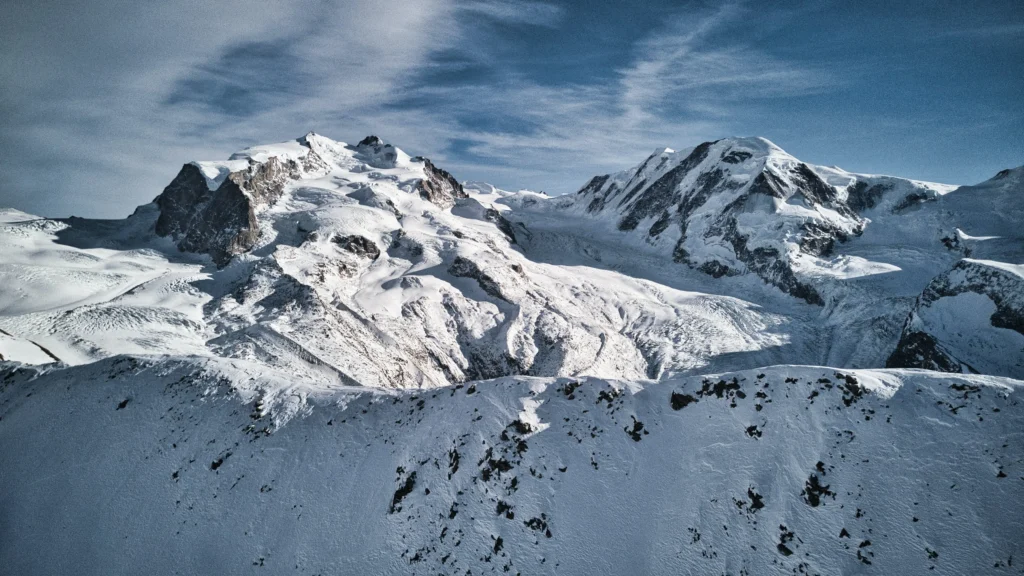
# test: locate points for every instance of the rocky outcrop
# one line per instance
(921, 350)
(502, 223)
(664, 192)
(439, 186)
(921, 343)
(358, 245)
(465, 268)
(1003, 285)
(222, 221)
(371, 141)
(218, 222)
(376, 153)
(741, 193)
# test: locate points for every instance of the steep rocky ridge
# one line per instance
(970, 319)
(356, 366)
(360, 264)
(743, 205)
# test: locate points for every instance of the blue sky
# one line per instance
(103, 100)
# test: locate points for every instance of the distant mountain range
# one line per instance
(317, 357)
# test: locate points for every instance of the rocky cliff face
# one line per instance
(746, 199)
(222, 221)
(439, 187)
(970, 319)
(220, 217)
(742, 205)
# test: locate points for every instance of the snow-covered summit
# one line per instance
(203, 214)
(420, 280)
(694, 366)
(745, 205)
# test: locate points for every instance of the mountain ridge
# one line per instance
(318, 357)
(727, 208)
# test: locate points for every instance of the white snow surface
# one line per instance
(173, 465)
(516, 384)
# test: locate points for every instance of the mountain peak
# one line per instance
(371, 141)
(572, 340)
(743, 204)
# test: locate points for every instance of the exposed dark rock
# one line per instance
(376, 153)
(402, 246)
(953, 244)
(539, 524)
(768, 184)
(663, 193)
(439, 187)
(633, 191)
(466, 268)
(222, 222)
(819, 239)
(660, 225)
(570, 390)
(503, 224)
(179, 200)
(813, 188)
(404, 490)
(680, 401)
(766, 263)
(862, 196)
(756, 500)
(786, 536)
(721, 389)
(594, 184)
(505, 509)
(714, 268)
(736, 156)
(371, 141)
(358, 245)
(913, 199)
(636, 430)
(814, 490)
(679, 253)
(920, 350)
(817, 192)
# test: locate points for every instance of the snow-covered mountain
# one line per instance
(329, 358)
(866, 249)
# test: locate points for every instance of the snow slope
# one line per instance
(195, 467)
(318, 357)
(80, 305)
(411, 287)
(672, 267)
(862, 247)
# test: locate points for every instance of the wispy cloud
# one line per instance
(979, 32)
(680, 88)
(171, 86)
(102, 101)
(534, 13)
(680, 68)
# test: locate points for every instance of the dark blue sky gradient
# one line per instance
(102, 101)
